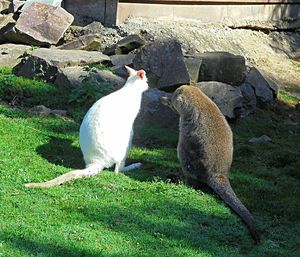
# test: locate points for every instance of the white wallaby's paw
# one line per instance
(132, 166)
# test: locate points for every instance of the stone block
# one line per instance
(223, 67)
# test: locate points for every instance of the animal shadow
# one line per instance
(60, 151)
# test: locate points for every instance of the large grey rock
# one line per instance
(153, 113)
(42, 110)
(46, 28)
(91, 42)
(11, 55)
(125, 45)
(265, 91)
(54, 3)
(106, 76)
(261, 139)
(223, 67)
(44, 63)
(193, 65)
(122, 59)
(249, 99)
(226, 97)
(164, 64)
(71, 77)
(119, 61)
(7, 22)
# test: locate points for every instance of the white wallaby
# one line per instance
(106, 131)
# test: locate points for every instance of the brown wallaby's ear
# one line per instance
(141, 74)
(131, 72)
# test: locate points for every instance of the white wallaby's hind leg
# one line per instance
(120, 165)
(91, 170)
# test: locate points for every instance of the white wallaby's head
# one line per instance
(136, 76)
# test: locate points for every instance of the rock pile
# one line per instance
(77, 54)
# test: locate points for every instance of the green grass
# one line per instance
(142, 213)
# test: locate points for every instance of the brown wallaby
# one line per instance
(205, 147)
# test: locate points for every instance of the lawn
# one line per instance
(147, 212)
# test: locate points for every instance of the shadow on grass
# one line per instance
(33, 248)
(170, 226)
(61, 152)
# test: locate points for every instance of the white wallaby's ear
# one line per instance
(141, 74)
(130, 71)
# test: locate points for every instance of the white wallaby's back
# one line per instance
(107, 129)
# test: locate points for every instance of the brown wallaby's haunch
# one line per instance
(205, 147)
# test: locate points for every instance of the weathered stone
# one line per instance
(59, 113)
(14, 36)
(4, 6)
(261, 139)
(122, 59)
(193, 65)
(95, 27)
(7, 22)
(46, 28)
(54, 3)
(125, 45)
(16, 5)
(42, 110)
(11, 55)
(223, 67)
(105, 76)
(226, 97)
(86, 42)
(262, 88)
(119, 61)
(153, 113)
(164, 64)
(108, 36)
(296, 56)
(120, 71)
(44, 63)
(71, 77)
(249, 99)
(272, 85)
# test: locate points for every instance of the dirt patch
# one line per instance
(270, 50)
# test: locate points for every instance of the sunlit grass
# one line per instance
(149, 211)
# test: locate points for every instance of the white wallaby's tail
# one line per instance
(132, 166)
(74, 174)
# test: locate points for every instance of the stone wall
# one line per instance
(209, 13)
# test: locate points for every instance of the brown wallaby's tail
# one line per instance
(221, 185)
(74, 174)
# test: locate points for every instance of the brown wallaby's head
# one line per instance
(167, 101)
